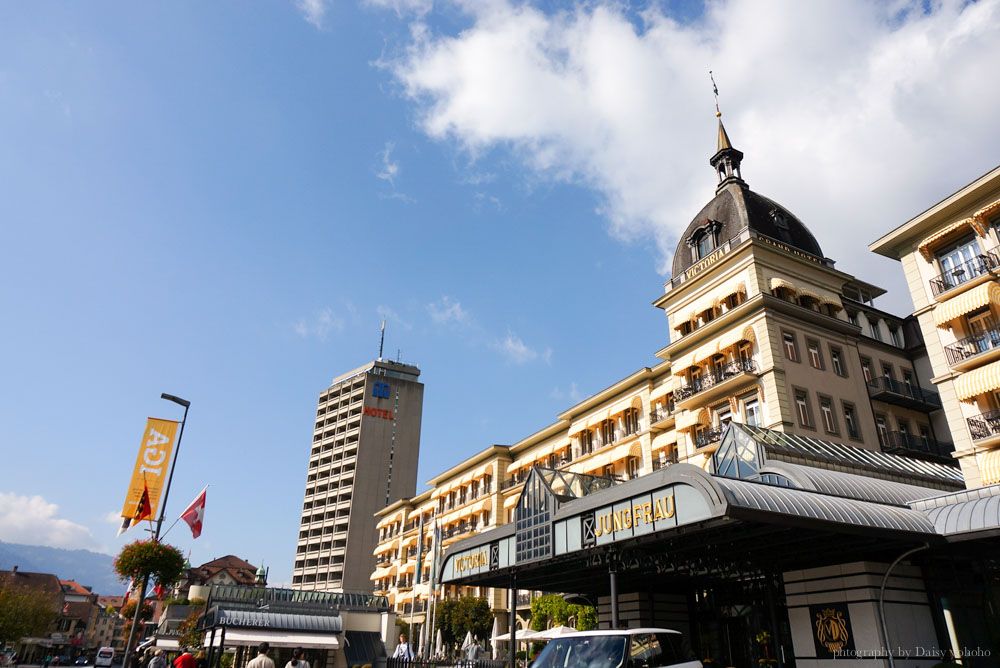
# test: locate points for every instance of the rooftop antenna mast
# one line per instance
(715, 91)
(381, 341)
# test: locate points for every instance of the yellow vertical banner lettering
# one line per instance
(152, 465)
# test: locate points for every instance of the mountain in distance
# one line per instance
(90, 569)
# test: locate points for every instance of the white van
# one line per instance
(621, 648)
(105, 656)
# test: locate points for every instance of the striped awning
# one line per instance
(927, 244)
(715, 296)
(989, 467)
(707, 351)
(661, 391)
(749, 334)
(664, 440)
(386, 521)
(782, 283)
(987, 211)
(686, 420)
(511, 501)
(978, 381)
(977, 297)
(636, 449)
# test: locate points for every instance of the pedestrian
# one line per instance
(262, 660)
(403, 650)
(200, 660)
(185, 660)
(298, 659)
(158, 660)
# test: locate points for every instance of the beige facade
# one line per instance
(763, 330)
(950, 259)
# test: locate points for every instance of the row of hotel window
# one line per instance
(837, 362)
(609, 431)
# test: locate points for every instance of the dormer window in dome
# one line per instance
(704, 239)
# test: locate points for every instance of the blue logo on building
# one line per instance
(380, 390)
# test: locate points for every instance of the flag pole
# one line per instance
(159, 523)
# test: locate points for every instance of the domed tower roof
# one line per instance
(733, 208)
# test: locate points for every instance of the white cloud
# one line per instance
(390, 167)
(392, 316)
(573, 393)
(314, 11)
(855, 114)
(323, 323)
(402, 7)
(31, 520)
(518, 352)
(447, 310)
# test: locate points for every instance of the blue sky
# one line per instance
(223, 201)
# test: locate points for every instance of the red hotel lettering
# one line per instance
(378, 412)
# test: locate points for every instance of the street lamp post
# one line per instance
(159, 524)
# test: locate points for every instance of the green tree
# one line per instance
(24, 612)
(443, 615)
(457, 616)
(553, 610)
(190, 635)
(472, 614)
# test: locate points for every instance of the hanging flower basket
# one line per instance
(162, 563)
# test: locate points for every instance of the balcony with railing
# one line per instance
(708, 437)
(920, 447)
(963, 273)
(984, 426)
(661, 414)
(903, 394)
(973, 347)
(670, 458)
(719, 380)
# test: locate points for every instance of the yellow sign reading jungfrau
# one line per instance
(152, 465)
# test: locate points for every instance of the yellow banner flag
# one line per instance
(151, 466)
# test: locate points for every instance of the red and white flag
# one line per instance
(128, 591)
(195, 513)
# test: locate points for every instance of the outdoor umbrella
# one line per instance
(468, 640)
(555, 632)
(493, 636)
(423, 638)
(438, 644)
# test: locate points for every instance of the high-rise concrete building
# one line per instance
(364, 457)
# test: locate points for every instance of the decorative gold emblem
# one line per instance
(831, 629)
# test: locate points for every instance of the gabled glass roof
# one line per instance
(565, 485)
(794, 447)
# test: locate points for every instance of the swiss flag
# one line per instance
(195, 513)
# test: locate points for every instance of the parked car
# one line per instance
(620, 648)
(82, 661)
(105, 656)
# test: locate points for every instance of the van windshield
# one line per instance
(588, 652)
(105, 653)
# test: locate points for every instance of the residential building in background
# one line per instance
(764, 331)
(367, 430)
(951, 258)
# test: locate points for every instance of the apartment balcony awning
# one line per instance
(989, 467)
(926, 246)
(978, 381)
(978, 297)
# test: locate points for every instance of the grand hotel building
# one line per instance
(765, 334)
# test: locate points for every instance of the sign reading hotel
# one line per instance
(151, 466)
